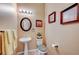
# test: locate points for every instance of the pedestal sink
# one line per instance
(25, 40)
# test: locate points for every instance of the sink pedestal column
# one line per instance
(25, 40)
(26, 49)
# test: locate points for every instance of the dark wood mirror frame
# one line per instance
(22, 26)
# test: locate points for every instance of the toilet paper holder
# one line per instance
(55, 45)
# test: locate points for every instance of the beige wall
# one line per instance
(37, 14)
(8, 16)
(66, 36)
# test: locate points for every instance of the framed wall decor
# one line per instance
(25, 24)
(70, 14)
(52, 17)
(39, 23)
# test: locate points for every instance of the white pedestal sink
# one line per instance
(25, 40)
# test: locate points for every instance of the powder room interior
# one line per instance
(39, 28)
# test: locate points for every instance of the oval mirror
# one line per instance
(25, 24)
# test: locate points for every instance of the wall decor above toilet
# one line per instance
(25, 24)
(70, 14)
(52, 17)
(39, 23)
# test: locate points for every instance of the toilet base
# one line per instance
(37, 52)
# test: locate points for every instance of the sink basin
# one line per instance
(25, 39)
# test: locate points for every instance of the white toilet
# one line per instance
(37, 52)
(40, 50)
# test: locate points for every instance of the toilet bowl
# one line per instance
(40, 50)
